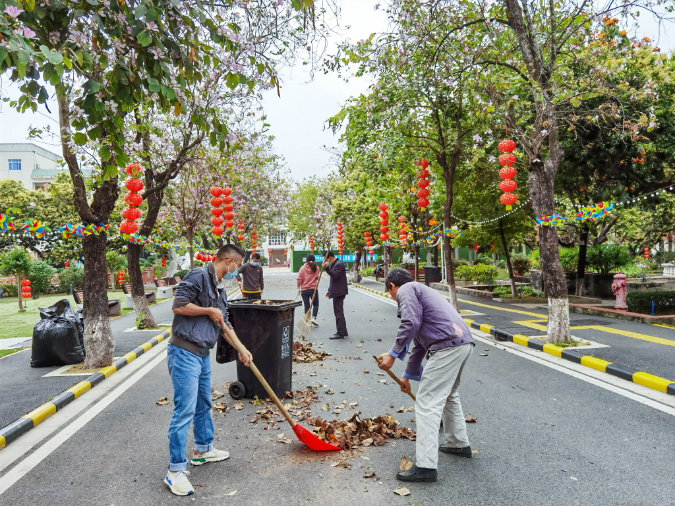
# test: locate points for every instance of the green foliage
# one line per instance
(483, 259)
(485, 273)
(664, 257)
(534, 259)
(641, 302)
(504, 292)
(569, 258)
(465, 272)
(460, 261)
(116, 262)
(140, 321)
(41, 276)
(181, 274)
(604, 258)
(368, 271)
(521, 264)
(71, 276)
(16, 262)
(501, 264)
(8, 289)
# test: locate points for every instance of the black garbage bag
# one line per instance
(58, 338)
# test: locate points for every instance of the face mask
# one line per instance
(231, 275)
(328, 264)
(255, 264)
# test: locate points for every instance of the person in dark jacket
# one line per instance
(200, 308)
(337, 290)
(252, 272)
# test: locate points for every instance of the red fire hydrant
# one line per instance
(619, 289)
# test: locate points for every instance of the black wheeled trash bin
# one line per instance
(267, 332)
(432, 274)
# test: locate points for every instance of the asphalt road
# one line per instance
(545, 437)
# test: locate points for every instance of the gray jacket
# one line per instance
(199, 287)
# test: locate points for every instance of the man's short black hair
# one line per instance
(229, 250)
(255, 256)
(398, 277)
(329, 254)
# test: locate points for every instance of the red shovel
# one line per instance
(302, 434)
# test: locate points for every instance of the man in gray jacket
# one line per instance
(200, 309)
(441, 335)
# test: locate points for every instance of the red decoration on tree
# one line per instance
(217, 211)
(422, 192)
(646, 253)
(227, 191)
(340, 237)
(475, 247)
(311, 243)
(422, 183)
(67, 264)
(423, 163)
(163, 261)
(216, 192)
(422, 202)
(26, 288)
(217, 221)
(134, 199)
(506, 159)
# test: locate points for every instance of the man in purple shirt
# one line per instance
(441, 335)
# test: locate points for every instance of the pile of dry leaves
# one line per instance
(298, 407)
(304, 353)
(355, 432)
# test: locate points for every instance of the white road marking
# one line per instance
(12, 452)
(652, 398)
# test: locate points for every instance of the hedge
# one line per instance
(641, 302)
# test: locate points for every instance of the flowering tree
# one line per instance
(312, 205)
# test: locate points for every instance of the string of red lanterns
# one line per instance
(133, 199)
(402, 234)
(311, 243)
(340, 237)
(25, 288)
(506, 160)
(369, 242)
(422, 183)
(240, 229)
(254, 240)
(217, 220)
(228, 207)
(384, 222)
(120, 278)
(163, 261)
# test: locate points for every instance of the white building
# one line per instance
(33, 166)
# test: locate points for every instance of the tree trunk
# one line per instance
(417, 259)
(138, 297)
(98, 339)
(18, 290)
(385, 260)
(507, 254)
(581, 262)
(356, 267)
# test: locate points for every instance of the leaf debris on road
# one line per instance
(470, 419)
(163, 401)
(303, 353)
(355, 432)
(402, 491)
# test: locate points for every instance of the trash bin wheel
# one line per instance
(237, 390)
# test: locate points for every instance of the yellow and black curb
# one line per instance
(576, 356)
(382, 294)
(38, 415)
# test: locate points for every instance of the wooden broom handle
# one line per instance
(395, 378)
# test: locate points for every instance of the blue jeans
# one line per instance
(191, 378)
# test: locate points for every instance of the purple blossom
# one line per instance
(13, 11)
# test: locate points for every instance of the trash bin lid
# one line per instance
(264, 305)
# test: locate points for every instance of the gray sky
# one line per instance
(298, 117)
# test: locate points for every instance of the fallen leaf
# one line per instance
(254, 419)
(486, 349)
(295, 402)
(163, 401)
(402, 409)
(312, 374)
(483, 354)
(232, 493)
(337, 411)
(367, 442)
(402, 491)
(369, 475)
(215, 394)
(353, 404)
(287, 406)
(325, 407)
(238, 405)
(470, 419)
(573, 478)
(475, 451)
(405, 464)
(380, 374)
(365, 371)
(382, 381)
(364, 457)
(358, 345)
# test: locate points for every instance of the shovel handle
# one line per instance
(269, 390)
(395, 378)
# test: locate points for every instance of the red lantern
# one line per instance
(241, 237)
(507, 159)
(227, 199)
(128, 227)
(67, 264)
(228, 216)
(131, 213)
(371, 252)
(25, 282)
(133, 169)
(422, 192)
(507, 173)
(216, 201)
(133, 199)
(216, 211)
(383, 237)
(217, 221)
(508, 185)
(134, 185)
(26, 295)
(229, 223)
(401, 219)
(163, 261)
(475, 247)
(384, 230)
(227, 191)
(506, 146)
(218, 231)
(422, 202)
(508, 199)
(384, 214)
(216, 192)
(646, 253)
(422, 183)
(423, 163)
(228, 207)
(383, 206)
(423, 173)
(366, 234)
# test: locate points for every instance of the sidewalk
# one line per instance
(23, 388)
(639, 346)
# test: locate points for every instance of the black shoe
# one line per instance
(460, 452)
(337, 336)
(417, 474)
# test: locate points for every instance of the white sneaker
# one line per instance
(178, 482)
(211, 456)
(314, 322)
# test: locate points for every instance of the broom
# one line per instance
(304, 326)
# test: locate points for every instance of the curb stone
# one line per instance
(641, 378)
(382, 294)
(31, 420)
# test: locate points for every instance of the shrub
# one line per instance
(71, 276)
(534, 259)
(664, 257)
(408, 265)
(501, 264)
(604, 258)
(465, 272)
(636, 270)
(460, 261)
(181, 274)
(482, 260)
(485, 273)
(521, 264)
(8, 289)
(641, 302)
(569, 259)
(41, 276)
(368, 271)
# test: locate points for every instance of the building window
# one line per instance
(14, 164)
(277, 239)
